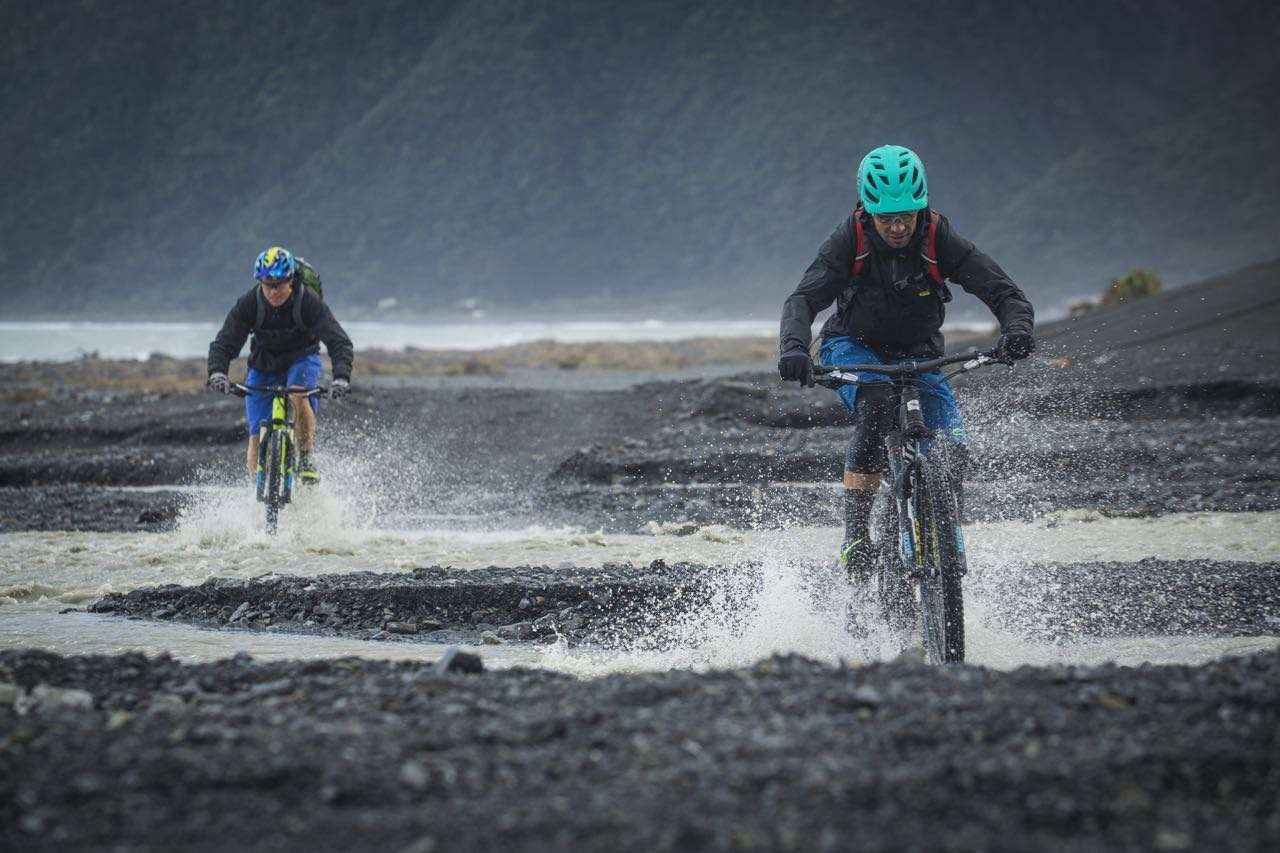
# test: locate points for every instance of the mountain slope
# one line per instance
(576, 157)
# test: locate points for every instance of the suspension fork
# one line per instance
(901, 455)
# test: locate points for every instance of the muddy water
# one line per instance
(41, 573)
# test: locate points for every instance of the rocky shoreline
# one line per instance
(139, 753)
(623, 606)
(602, 606)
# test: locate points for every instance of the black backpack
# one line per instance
(310, 279)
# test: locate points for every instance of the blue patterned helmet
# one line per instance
(275, 264)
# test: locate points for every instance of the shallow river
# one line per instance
(42, 573)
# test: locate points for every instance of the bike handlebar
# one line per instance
(910, 368)
(847, 373)
(239, 389)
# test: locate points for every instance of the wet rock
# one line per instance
(489, 638)
(456, 660)
(239, 613)
(517, 631)
(415, 775)
(153, 515)
(9, 693)
(167, 703)
(866, 697)
(44, 696)
(402, 627)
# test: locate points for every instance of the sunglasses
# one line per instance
(887, 220)
(275, 283)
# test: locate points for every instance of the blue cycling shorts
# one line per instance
(304, 372)
(941, 412)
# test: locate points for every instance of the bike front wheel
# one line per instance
(941, 594)
(274, 465)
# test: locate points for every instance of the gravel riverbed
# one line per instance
(136, 753)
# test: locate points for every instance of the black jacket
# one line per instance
(279, 343)
(902, 320)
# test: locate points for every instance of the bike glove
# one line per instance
(1018, 345)
(796, 367)
(339, 388)
(218, 383)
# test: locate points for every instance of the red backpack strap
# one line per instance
(860, 250)
(929, 251)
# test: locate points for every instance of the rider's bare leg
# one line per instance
(304, 422)
(251, 459)
(861, 481)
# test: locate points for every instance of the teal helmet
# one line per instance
(891, 180)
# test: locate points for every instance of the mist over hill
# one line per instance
(596, 159)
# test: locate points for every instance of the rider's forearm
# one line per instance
(984, 278)
(979, 274)
(797, 318)
(338, 344)
(821, 283)
(1015, 314)
(228, 343)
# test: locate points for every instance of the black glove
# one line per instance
(796, 367)
(339, 388)
(1017, 345)
(218, 383)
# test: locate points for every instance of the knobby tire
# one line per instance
(274, 464)
(941, 596)
(897, 602)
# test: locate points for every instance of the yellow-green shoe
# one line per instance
(857, 559)
(307, 472)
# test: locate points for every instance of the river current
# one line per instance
(220, 536)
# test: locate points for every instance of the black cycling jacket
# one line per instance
(279, 343)
(902, 320)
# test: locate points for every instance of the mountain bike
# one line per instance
(277, 447)
(919, 570)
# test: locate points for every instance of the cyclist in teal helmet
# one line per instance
(886, 267)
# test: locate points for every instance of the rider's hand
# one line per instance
(796, 367)
(339, 388)
(1017, 345)
(218, 383)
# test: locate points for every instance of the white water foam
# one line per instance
(780, 606)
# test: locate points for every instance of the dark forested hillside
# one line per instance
(657, 157)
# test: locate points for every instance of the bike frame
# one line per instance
(281, 421)
(915, 558)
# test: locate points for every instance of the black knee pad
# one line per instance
(866, 453)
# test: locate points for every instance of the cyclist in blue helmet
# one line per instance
(885, 268)
(286, 314)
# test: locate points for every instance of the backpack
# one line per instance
(310, 279)
(928, 251)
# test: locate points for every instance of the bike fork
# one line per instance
(259, 476)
